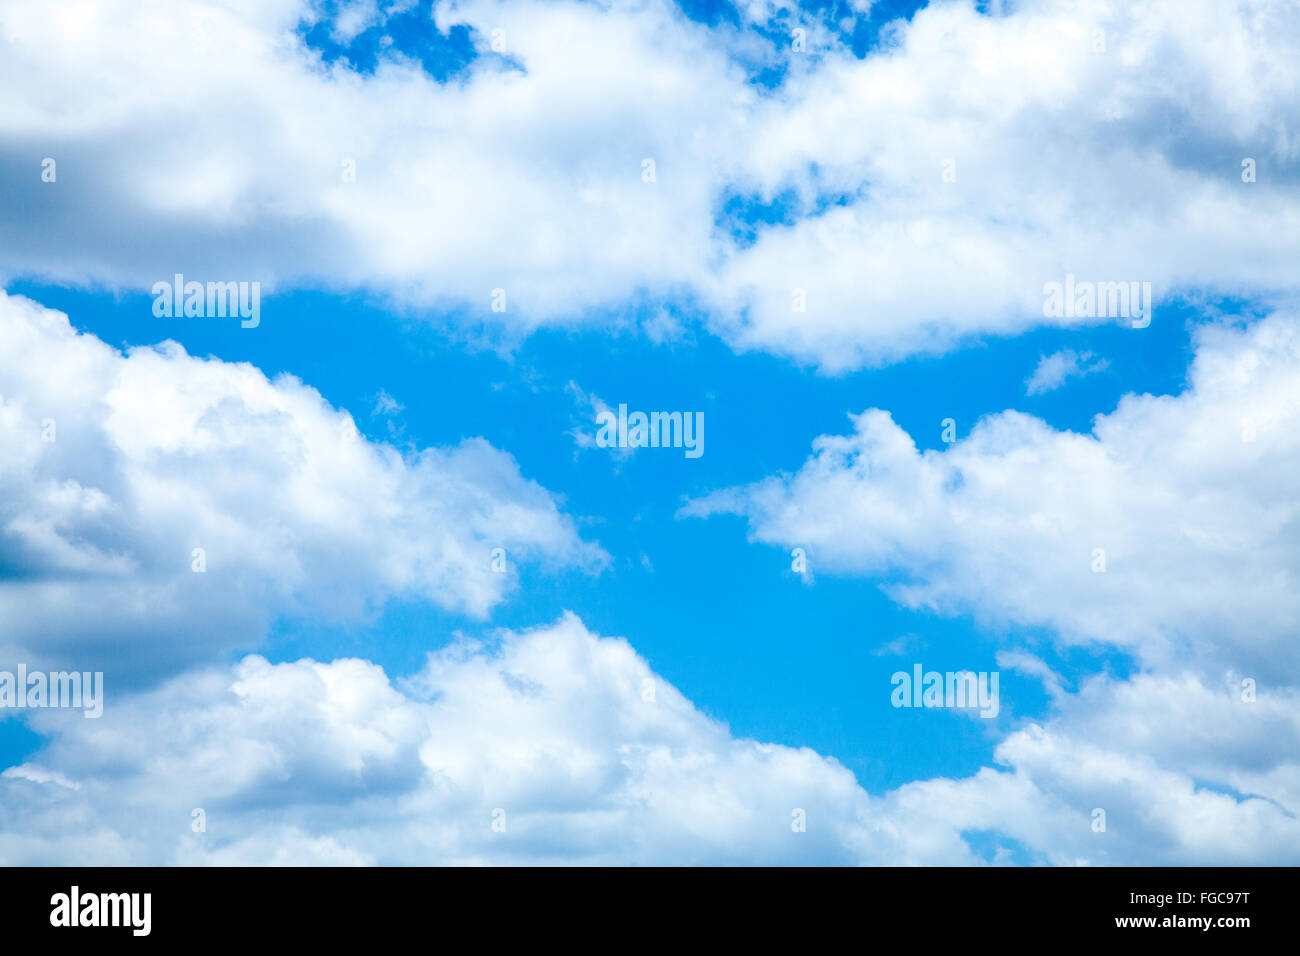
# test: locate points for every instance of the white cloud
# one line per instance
(226, 162)
(1114, 165)
(205, 139)
(156, 453)
(354, 16)
(1185, 773)
(311, 763)
(1193, 499)
(1053, 370)
(1104, 165)
(1190, 497)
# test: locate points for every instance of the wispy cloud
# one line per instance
(1054, 370)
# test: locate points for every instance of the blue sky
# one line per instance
(776, 171)
(729, 623)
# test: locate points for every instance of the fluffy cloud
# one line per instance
(525, 171)
(1110, 160)
(218, 140)
(1185, 774)
(593, 758)
(1190, 497)
(977, 158)
(117, 467)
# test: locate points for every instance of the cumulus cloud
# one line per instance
(584, 755)
(126, 475)
(590, 756)
(857, 211)
(1182, 773)
(916, 196)
(941, 182)
(1169, 530)
(228, 155)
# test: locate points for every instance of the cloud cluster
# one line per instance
(1153, 771)
(156, 508)
(940, 183)
(559, 746)
(1169, 530)
(590, 756)
(159, 510)
(857, 211)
